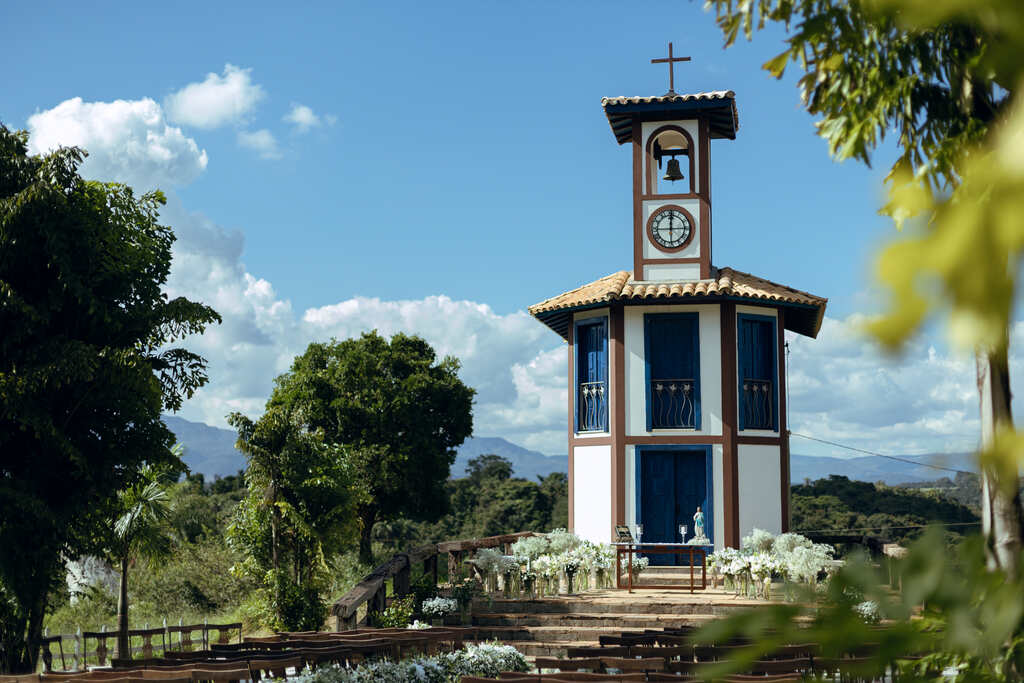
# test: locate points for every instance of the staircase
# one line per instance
(547, 626)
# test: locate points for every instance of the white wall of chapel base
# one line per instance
(592, 492)
(760, 487)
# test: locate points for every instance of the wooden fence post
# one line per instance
(403, 579)
(453, 565)
(78, 641)
(377, 604)
(430, 567)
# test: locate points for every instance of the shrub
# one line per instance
(396, 615)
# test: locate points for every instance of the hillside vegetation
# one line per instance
(840, 505)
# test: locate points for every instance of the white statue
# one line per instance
(698, 529)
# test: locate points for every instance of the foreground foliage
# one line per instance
(86, 369)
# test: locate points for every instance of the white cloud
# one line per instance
(262, 141)
(127, 141)
(304, 119)
(844, 389)
(216, 101)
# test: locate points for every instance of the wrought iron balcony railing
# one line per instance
(672, 403)
(593, 407)
(756, 400)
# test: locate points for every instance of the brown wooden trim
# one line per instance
(730, 462)
(652, 261)
(577, 442)
(617, 341)
(674, 440)
(572, 421)
(783, 423)
(692, 195)
(638, 248)
(758, 440)
(694, 227)
(704, 141)
(649, 156)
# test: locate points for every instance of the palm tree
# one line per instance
(140, 531)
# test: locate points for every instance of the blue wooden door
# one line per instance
(672, 484)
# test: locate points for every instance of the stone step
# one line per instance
(570, 634)
(621, 621)
(620, 602)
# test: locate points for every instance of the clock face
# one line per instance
(671, 228)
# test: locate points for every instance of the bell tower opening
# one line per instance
(670, 162)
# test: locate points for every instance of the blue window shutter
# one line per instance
(756, 340)
(592, 367)
(672, 349)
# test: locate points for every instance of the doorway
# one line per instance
(671, 482)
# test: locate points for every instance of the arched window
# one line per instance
(670, 154)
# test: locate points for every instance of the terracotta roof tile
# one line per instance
(669, 97)
(718, 106)
(727, 282)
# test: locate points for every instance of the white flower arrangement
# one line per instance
(763, 556)
(439, 607)
(417, 625)
(485, 659)
(868, 611)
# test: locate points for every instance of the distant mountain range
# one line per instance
(211, 450)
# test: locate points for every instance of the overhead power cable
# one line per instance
(879, 455)
(883, 528)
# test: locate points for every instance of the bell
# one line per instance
(672, 172)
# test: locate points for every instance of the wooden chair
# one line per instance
(276, 667)
(781, 666)
(621, 651)
(191, 655)
(629, 664)
(668, 652)
(220, 675)
(579, 664)
(850, 669)
(683, 667)
(569, 676)
(673, 640)
(628, 639)
(180, 675)
(715, 653)
(58, 676)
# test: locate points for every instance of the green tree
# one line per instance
(140, 531)
(86, 369)
(941, 77)
(298, 509)
(399, 412)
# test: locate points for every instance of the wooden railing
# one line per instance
(372, 590)
(92, 647)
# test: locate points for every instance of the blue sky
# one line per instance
(437, 168)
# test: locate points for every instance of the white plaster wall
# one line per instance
(674, 272)
(592, 492)
(690, 126)
(692, 249)
(710, 369)
(760, 489)
(768, 313)
(718, 491)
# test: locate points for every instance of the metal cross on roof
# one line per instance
(671, 63)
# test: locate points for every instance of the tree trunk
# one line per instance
(123, 649)
(368, 518)
(275, 526)
(1000, 499)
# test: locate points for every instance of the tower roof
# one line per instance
(804, 312)
(719, 106)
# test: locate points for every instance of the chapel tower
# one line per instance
(676, 366)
